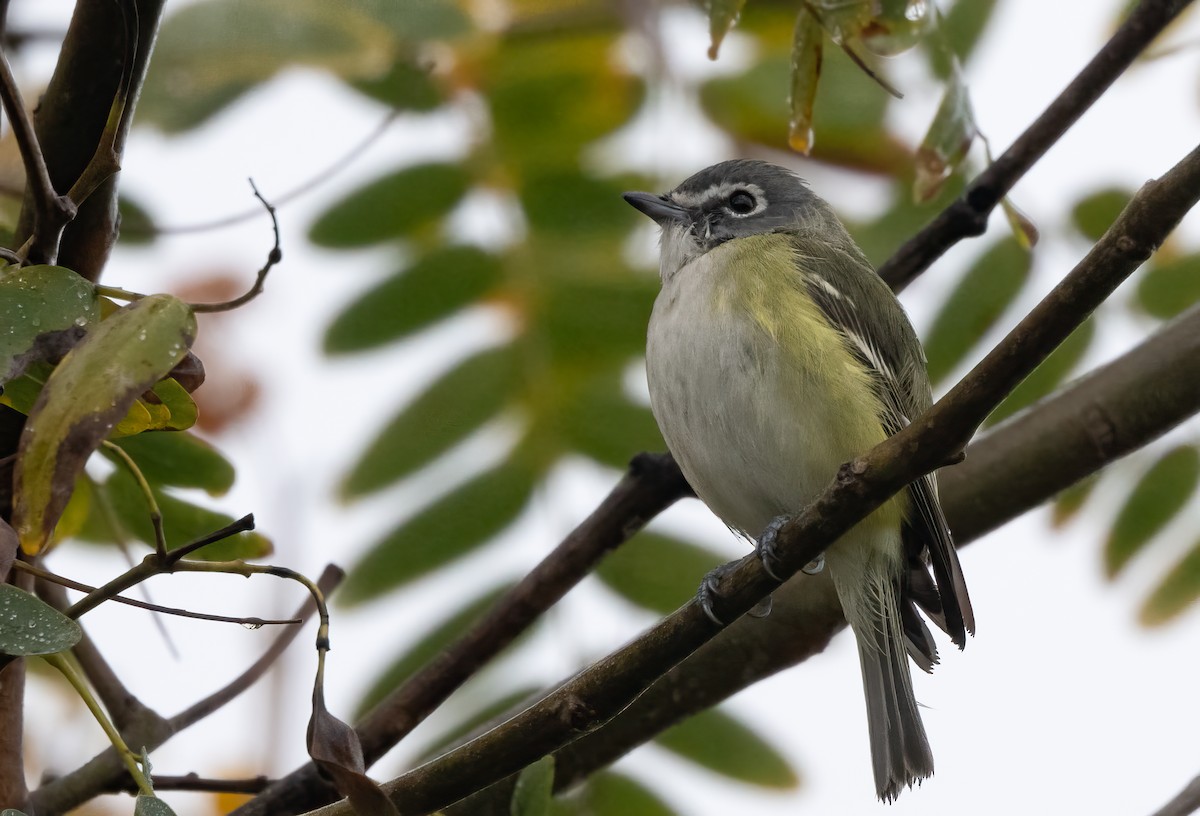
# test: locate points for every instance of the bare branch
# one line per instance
(968, 215)
(273, 257)
(1187, 801)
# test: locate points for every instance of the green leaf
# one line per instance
(593, 319)
(1168, 288)
(151, 806)
(550, 96)
(600, 421)
(612, 794)
(180, 459)
(429, 645)
(1067, 504)
(451, 527)
(29, 626)
(210, 53)
(467, 396)
(391, 206)
(1179, 590)
(979, 299)
(806, 73)
(137, 224)
(1047, 376)
(433, 288)
(947, 141)
(44, 311)
(533, 790)
(635, 571)
(1162, 492)
(182, 521)
(720, 743)
(961, 28)
(1022, 226)
(1093, 214)
(572, 204)
(722, 16)
(87, 394)
(404, 86)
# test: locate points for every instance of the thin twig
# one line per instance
(273, 257)
(195, 782)
(154, 564)
(251, 622)
(156, 519)
(73, 789)
(52, 212)
(968, 215)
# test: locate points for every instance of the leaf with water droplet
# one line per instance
(29, 626)
(88, 393)
(807, 44)
(722, 15)
(947, 141)
(896, 26)
(44, 311)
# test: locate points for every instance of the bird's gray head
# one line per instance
(733, 199)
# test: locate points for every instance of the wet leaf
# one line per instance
(450, 409)
(947, 141)
(1157, 497)
(1047, 376)
(978, 300)
(435, 287)
(806, 73)
(29, 626)
(1093, 214)
(44, 310)
(151, 806)
(613, 794)
(722, 16)
(1170, 287)
(180, 459)
(451, 527)
(429, 645)
(391, 206)
(84, 398)
(896, 26)
(533, 790)
(635, 571)
(335, 748)
(1179, 590)
(717, 741)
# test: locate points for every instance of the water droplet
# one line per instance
(915, 10)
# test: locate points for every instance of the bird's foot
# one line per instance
(708, 594)
(765, 547)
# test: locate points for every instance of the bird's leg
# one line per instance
(765, 547)
(708, 594)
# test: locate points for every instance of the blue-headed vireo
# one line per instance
(775, 354)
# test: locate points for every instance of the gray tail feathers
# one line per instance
(900, 752)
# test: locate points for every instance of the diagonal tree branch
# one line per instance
(1185, 802)
(585, 702)
(968, 215)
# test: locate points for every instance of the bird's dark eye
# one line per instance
(742, 202)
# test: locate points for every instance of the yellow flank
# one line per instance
(817, 362)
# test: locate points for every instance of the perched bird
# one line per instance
(774, 355)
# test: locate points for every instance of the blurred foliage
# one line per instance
(544, 84)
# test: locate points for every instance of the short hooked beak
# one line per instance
(657, 207)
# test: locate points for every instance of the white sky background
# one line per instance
(1063, 703)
